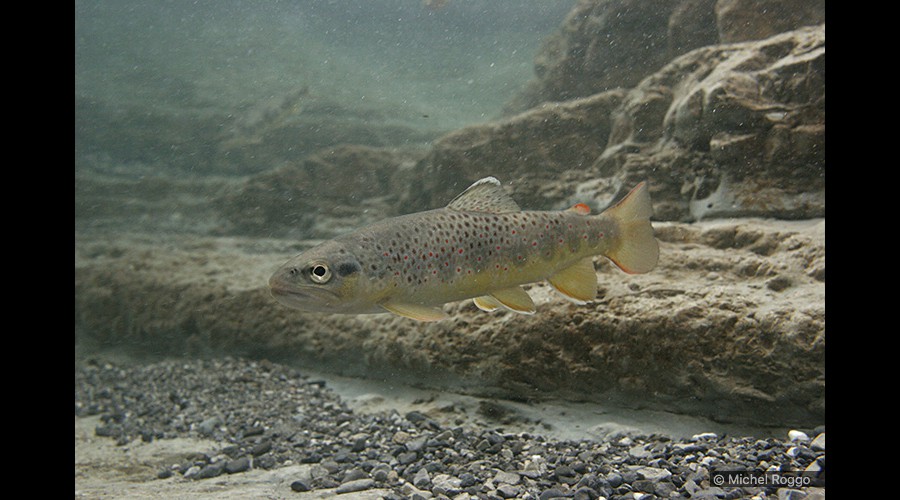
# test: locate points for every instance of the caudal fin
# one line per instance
(636, 250)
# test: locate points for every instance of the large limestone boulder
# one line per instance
(607, 44)
(722, 131)
(729, 326)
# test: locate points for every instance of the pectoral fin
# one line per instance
(416, 311)
(577, 283)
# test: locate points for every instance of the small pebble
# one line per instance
(422, 479)
(208, 426)
(552, 493)
(211, 470)
(261, 448)
(444, 484)
(653, 473)
(585, 494)
(639, 451)
(818, 444)
(401, 437)
(354, 475)
(614, 480)
(357, 485)
(300, 486)
(509, 491)
(237, 465)
(504, 477)
(797, 436)
(410, 491)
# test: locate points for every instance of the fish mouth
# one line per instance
(310, 299)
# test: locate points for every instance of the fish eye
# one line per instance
(319, 272)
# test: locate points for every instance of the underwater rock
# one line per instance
(734, 130)
(251, 126)
(743, 20)
(703, 334)
(216, 140)
(541, 155)
(315, 196)
(603, 44)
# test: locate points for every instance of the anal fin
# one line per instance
(415, 311)
(578, 282)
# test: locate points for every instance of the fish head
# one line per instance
(325, 278)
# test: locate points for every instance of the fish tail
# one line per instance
(636, 250)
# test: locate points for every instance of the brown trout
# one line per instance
(481, 246)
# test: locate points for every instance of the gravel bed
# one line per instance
(268, 415)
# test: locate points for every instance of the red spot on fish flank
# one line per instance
(513, 231)
(386, 254)
(431, 254)
(601, 235)
(460, 250)
(534, 243)
(458, 269)
(406, 257)
(498, 247)
(479, 259)
(434, 272)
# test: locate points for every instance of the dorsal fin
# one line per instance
(484, 195)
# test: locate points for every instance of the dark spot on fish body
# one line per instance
(348, 268)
